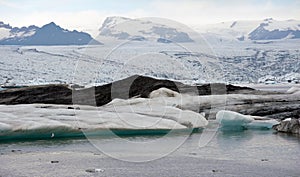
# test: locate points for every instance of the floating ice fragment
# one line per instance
(234, 120)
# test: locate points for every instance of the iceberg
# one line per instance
(233, 120)
(137, 114)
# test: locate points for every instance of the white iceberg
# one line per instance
(132, 114)
(165, 110)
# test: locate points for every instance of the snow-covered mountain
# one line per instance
(8, 32)
(165, 31)
(271, 29)
(267, 29)
(143, 29)
(49, 34)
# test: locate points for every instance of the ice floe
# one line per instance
(234, 120)
(132, 114)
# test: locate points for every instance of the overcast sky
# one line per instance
(88, 15)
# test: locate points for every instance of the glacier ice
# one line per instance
(132, 114)
(234, 120)
(262, 124)
(165, 110)
(29, 65)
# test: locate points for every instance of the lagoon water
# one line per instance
(228, 153)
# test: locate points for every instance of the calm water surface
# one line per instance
(228, 153)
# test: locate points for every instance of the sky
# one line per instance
(88, 15)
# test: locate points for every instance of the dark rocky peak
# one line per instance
(3, 25)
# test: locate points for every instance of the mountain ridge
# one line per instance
(48, 34)
(267, 29)
(123, 28)
(143, 29)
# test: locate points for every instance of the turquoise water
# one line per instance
(228, 153)
(224, 144)
(222, 138)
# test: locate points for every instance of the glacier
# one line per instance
(97, 65)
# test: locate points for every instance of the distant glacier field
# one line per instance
(213, 61)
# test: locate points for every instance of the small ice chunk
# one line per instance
(99, 170)
(233, 119)
(287, 119)
(236, 120)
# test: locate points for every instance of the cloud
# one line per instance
(9, 4)
(203, 12)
